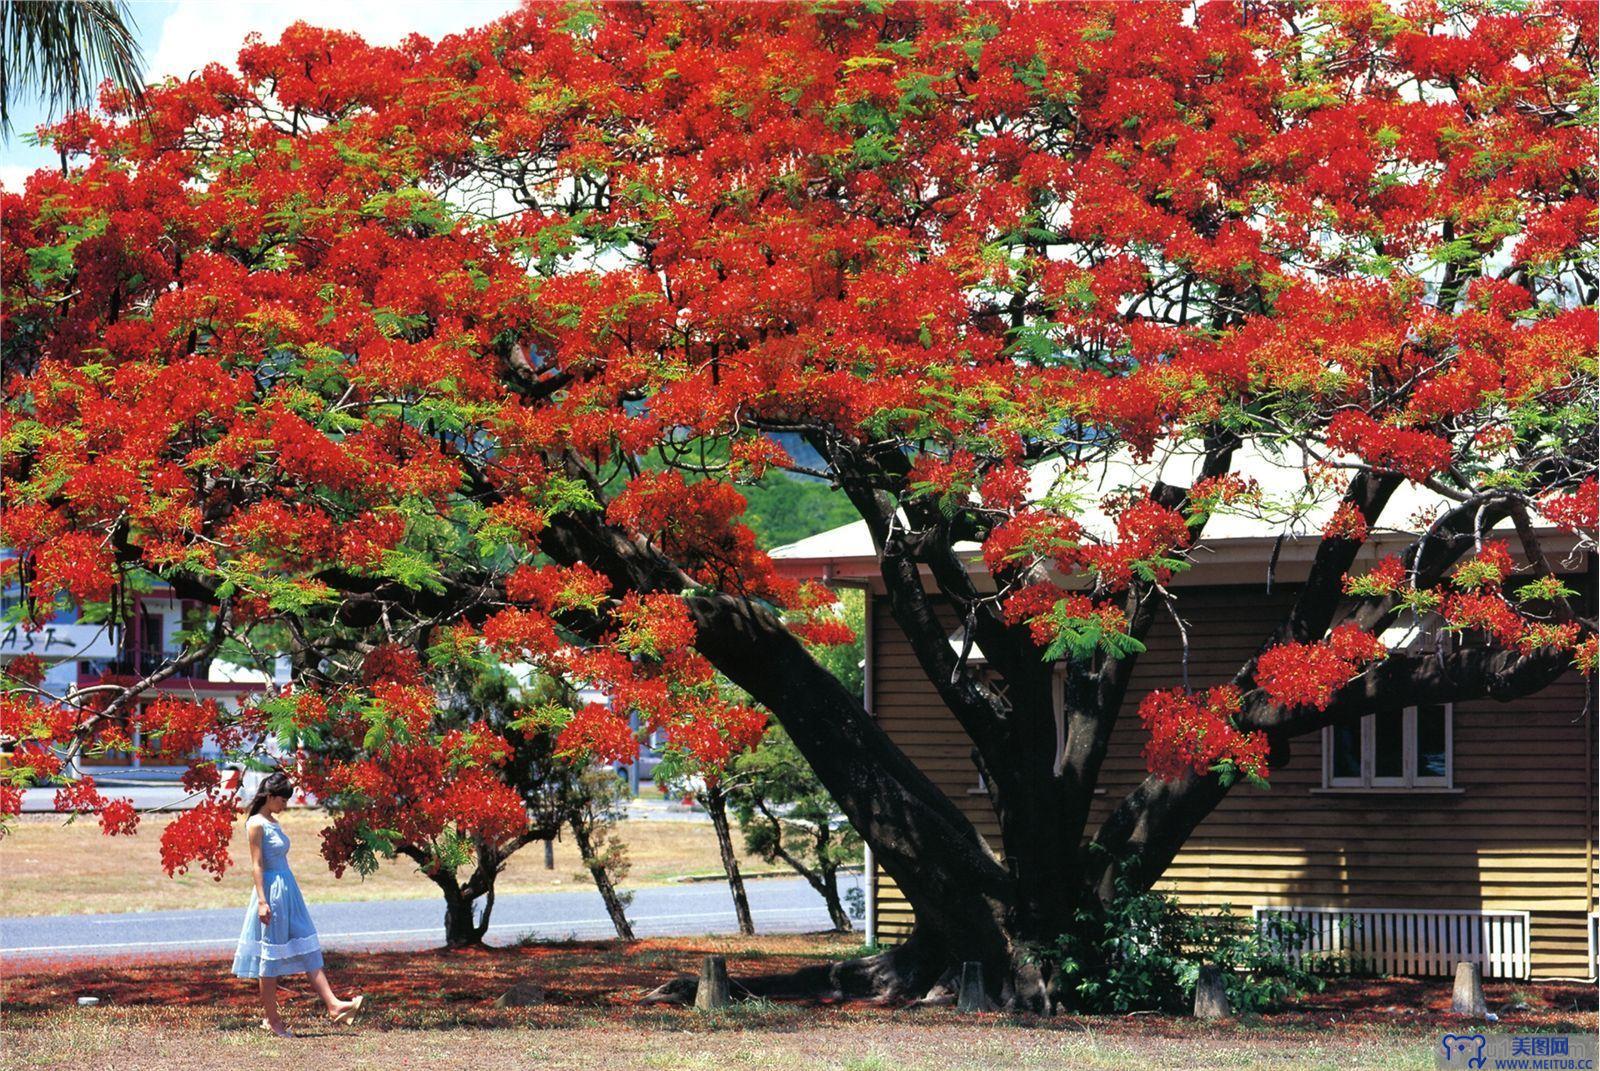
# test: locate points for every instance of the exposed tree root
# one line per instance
(898, 974)
(910, 974)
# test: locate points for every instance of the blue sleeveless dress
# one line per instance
(288, 943)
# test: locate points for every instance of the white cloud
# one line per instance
(198, 32)
(13, 176)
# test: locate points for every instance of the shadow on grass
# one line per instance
(598, 983)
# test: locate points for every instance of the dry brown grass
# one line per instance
(151, 1044)
(55, 869)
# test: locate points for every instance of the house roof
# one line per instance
(1298, 497)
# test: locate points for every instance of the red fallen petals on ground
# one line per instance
(588, 978)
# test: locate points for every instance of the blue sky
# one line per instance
(182, 36)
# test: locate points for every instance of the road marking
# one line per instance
(424, 929)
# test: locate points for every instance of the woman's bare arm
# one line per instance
(263, 909)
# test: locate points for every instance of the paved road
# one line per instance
(778, 904)
(149, 794)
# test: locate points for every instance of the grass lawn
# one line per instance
(435, 1009)
(56, 869)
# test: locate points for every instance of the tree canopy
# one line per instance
(477, 340)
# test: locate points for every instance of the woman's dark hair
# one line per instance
(277, 784)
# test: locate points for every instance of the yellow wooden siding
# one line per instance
(1518, 835)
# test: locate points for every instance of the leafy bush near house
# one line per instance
(1144, 952)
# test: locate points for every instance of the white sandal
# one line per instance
(353, 1012)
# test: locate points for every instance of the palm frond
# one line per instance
(61, 50)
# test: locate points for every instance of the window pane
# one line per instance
(1430, 741)
(1388, 745)
(1347, 751)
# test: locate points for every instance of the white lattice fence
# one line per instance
(1405, 941)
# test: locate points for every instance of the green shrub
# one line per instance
(1144, 952)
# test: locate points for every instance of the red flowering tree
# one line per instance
(309, 329)
(454, 770)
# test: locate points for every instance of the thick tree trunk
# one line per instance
(462, 929)
(581, 836)
(716, 802)
(1040, 762)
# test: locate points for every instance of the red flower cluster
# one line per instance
(10, 802)
(1486, 611)
(1195, 733)
(553, 588)
(1308, 674)
(200, 835)
(656, 625)
(1146, 531)
(80, 797)
(78, 563)
(1414, 454)
(1034, 535)
(1579, 511)
(119, 817)
(180, 726)
(1385, 578)
(1487, 570)
(1346, 523)
(596, 731)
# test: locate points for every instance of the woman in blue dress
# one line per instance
(278, 936)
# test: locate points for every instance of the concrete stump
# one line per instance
(1211, 994)
(970, 997)
(1467, 998)
(712, 992)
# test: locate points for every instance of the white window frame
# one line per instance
(1408, 781)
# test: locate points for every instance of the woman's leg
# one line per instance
(269, 1002)
(319, 982)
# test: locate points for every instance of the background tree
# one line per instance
(61, 50)
(708, 786)
(552, 288)
(458, 789)
(602, 802)
(786, 814)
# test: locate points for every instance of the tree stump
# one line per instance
(1211, 994)
(712, 992)
(1467, 998)
(970, 997)
(522, 994)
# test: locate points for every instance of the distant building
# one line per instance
(83, 654)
